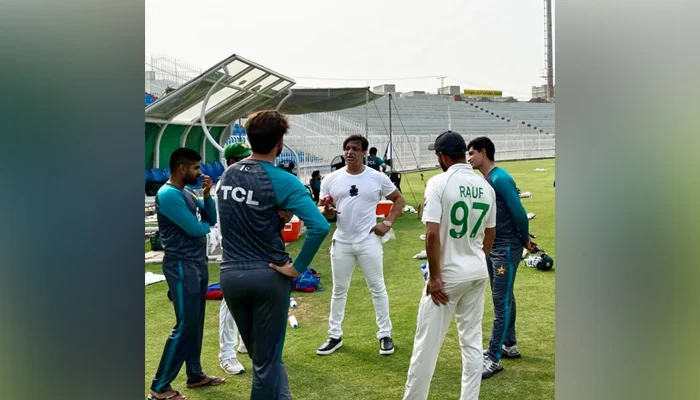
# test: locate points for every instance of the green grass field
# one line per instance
(357, 371)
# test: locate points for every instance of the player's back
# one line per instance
(248, 217)
(467, 205)
(373, 162)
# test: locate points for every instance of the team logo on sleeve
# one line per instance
(353, 191)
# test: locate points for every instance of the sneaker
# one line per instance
(241, 347)
(330, 345)
(507, 351)
(490, 368)
(386, 346)
(232, 366)
(510, 351)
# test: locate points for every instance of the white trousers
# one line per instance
(466, 304)
(368, 254)
(228, 333)
(214, 241)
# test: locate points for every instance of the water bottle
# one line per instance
(292, 303)
(424, 270)
(293, 321)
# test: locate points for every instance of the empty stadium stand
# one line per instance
(426, 117)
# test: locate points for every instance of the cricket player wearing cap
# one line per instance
(511, 236)
(460, 216)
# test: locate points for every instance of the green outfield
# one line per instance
(357, 371)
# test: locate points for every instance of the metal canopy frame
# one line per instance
(232, 88)
(227, 92)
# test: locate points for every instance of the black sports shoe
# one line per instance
(330, 345)
(386, 346)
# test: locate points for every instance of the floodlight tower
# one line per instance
(442, 88)
(548, 49)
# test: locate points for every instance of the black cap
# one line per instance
(449, 143)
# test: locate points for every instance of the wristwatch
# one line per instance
(387, 223)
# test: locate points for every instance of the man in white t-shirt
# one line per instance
(460, 218)
(352, 194)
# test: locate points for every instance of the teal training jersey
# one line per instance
(251, 193)
(511, 218)
(183, 222)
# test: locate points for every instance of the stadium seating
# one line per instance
(158, 175)
(287, 156)
(148, 99)
(205, 169)
(154, 178)
(429, 117)
(219, 168)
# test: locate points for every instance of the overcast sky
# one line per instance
(476, 44)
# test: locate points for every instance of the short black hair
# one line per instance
(373, 151)
(183, 156)
(265, 128)
(482, 143)
(357, 138)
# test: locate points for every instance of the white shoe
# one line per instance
(241, 348)
(232, 366)
(507, 351)
(490, 368)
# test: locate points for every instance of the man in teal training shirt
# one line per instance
(511, 236)
(183, 222)
(257, 272)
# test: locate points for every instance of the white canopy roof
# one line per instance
(243, 87)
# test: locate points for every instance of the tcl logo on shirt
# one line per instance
(238, 194)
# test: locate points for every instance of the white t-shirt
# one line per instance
(355, 197)
(464, 204)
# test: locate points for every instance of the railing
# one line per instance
(327, 124)
(411, 152)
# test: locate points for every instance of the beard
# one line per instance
(442, 165)
(191, 180)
